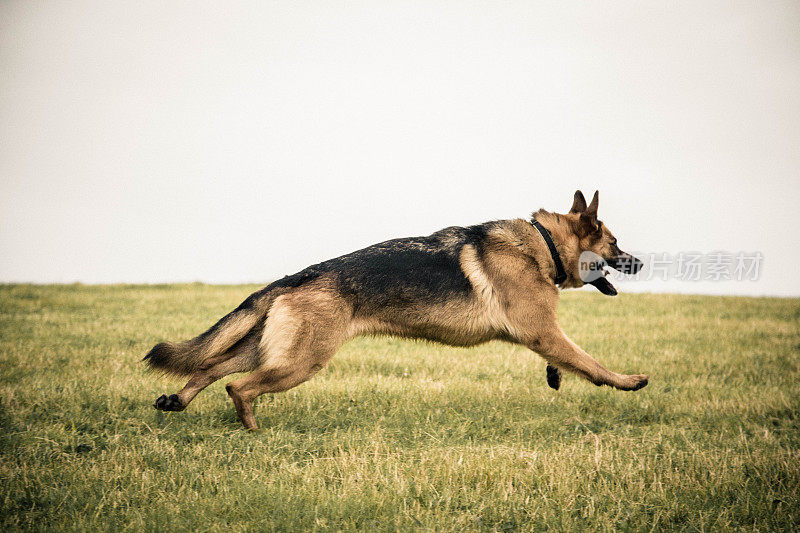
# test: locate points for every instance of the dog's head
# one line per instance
(597, 246)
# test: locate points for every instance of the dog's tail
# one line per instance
(184, 358)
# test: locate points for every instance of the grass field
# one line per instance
(400, 435)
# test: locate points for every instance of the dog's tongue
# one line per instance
(604, 286)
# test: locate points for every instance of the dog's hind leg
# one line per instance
(303, 331)
(242, 357)
(309, 354)
(310, 347)
(244, 391)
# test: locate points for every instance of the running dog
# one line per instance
(460, 286)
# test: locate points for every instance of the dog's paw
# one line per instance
(553, 377)
(635, 382)
(171, 403)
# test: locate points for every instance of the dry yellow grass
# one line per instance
(397, 435)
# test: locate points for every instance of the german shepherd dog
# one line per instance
(458, 286)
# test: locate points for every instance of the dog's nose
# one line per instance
(636, 265)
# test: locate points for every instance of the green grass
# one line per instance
(398, 435)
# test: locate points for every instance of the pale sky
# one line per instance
(226, 142)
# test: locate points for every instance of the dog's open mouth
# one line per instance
(603, 285)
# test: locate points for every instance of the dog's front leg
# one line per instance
(553, 376)
(561, 352)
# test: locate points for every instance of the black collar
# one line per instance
(561, 274)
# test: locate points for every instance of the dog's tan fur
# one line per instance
(294, 331)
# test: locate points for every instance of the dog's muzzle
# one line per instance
(591, 269)
(625, 263)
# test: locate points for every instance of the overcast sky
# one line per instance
(230, 142)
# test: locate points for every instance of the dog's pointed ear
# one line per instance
(579, 204)
(588, 223)
(592, 209)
